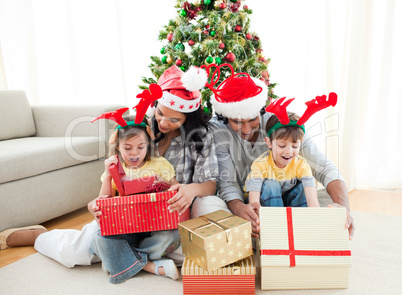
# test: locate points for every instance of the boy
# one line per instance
(280, 177)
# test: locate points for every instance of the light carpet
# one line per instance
(376, 254)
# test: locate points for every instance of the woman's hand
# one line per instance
(182, 199)
(94, 209)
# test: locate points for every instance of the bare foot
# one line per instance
(25, 237)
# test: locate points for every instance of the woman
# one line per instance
(181, 134)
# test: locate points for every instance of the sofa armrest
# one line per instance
(66, 121)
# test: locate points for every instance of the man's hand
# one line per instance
(339, 194)
(349, 220)
(247, 212)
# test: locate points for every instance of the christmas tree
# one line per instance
(211, 31)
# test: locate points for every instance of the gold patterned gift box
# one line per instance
(215, 240)
(236, 278)
(304, 248)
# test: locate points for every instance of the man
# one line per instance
(238, 131)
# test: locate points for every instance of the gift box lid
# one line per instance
(136, 199)
(304, 237)
(242, 267)
(217, 226)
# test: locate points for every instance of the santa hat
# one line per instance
(239, 96)
(181, 89)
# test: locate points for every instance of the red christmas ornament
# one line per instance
(170, 37)
(234, 7)
(249, 36)
(261, 59)
(238, 28)
(222, 5)
(230, 57)
(178, 62)
(191, 42)
(245, 7)
(222, 45)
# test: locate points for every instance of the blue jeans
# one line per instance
(271, 195)
(126, 255)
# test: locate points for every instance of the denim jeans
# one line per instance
(126, 255)
(271, 195)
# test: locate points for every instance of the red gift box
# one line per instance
(138, 213)
(129, 187)
(236, 278)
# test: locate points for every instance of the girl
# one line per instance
(130, 254)
(182, 138)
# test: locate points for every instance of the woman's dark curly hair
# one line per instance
(195, 127)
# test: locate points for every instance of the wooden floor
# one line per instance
(360, 200)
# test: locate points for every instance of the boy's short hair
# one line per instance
(293, 132)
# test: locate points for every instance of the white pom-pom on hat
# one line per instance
(194, 79)
(150, 112)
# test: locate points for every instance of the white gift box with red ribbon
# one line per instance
(304, 248)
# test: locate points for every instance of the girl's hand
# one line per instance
(108, 162)
(94, 209)
(183, 199)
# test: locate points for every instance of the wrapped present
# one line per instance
(304, 248)
(138, 213)
(236, 278)
(129, 187)
(215, 240)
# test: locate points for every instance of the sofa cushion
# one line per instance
(16, 118)
(25, 157)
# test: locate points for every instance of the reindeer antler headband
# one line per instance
(147, 97)
(278, 107)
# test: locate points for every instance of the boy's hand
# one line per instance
(182, 200)
(94, 209)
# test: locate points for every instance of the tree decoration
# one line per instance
(230, 57)
(234, 6)
(183, 12)
(209, 29)
(170, 37)
(207, 2)
(209, 60)
(180, 46)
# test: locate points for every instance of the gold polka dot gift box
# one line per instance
(304, 248)
(215, 240)
(138, 213)
(235, 278)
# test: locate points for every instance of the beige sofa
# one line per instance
(51, 158)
